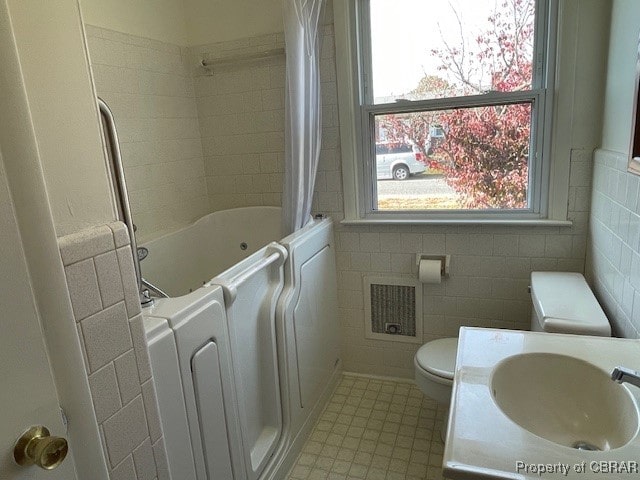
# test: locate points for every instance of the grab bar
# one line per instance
(275, 252)
(124, 208)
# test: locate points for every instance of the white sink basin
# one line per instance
(565, 400)
(523, 401)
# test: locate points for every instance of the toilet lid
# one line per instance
(439, 357)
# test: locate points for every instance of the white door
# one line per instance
(27, 393)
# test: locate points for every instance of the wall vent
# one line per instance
(393, 309)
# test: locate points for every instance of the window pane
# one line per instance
(466, 158)
(427, 49)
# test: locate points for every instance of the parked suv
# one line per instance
(398, 161)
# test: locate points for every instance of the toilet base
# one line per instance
(437, 388)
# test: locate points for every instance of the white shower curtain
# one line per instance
(303, 120)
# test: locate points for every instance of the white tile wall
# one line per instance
(613, 259)
(149, 87)
(234, 117)
(99, 271)
(241, 113)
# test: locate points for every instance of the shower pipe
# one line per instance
(122, 196)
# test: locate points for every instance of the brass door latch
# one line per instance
(36, 446)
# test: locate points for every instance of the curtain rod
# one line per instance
(274, 52)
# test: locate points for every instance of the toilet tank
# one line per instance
(564, 303)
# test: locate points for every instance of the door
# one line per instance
(307, 311)
(251, 290)
(27, 393)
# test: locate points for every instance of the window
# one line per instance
(445, 108)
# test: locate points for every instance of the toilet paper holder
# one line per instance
(444, 262)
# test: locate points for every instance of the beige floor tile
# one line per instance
(340, 466)
(374, 429)
(324, 463)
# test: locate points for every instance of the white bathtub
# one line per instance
(246, 353)
(182, 261)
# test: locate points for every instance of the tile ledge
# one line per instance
(452, 221)
(85, 244)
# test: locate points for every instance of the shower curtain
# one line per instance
(303, 120)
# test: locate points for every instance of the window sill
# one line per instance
(451, 221)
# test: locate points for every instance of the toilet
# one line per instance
(562, 303)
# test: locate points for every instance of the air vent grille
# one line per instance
(393, 304)
(393, 309)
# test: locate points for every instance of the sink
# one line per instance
(565, 400)
(524, 402)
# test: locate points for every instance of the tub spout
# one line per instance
(625, 375)
(150, 287)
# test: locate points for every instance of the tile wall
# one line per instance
(241, 116)
(487, 287)
(101, 281)
(613, 260)
(241, 111)
(149, 87)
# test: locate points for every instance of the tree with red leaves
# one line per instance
(485, 154)
(488, 147)
(487, 150)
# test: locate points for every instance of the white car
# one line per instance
(398, 161)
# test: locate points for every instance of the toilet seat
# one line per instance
(424, 374)
(437, 359)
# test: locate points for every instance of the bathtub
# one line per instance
(184, 260)
(245, 352)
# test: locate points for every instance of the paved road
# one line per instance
(419, 185)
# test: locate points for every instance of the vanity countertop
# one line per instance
(483, 443)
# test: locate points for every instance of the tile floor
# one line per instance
(374, 429)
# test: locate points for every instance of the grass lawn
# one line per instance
(426, 203)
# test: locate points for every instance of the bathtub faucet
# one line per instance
(157, 291)
(625, 375)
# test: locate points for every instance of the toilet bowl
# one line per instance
(562, 303)
(435, 362)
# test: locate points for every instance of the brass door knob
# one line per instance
(37, 446)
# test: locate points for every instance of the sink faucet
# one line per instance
(623, 374)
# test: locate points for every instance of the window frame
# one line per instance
(356, 114)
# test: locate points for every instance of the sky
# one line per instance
(402, 42)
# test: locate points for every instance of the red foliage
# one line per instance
(486, 151)
(485, 154)
(488, 147)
